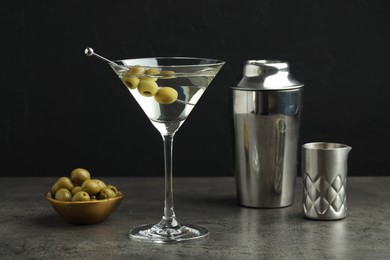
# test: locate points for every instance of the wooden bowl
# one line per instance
(85, 212)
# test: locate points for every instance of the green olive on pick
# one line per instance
(166, 95)
(131, 82)
(147, 88)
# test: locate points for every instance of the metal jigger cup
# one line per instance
(324, 173)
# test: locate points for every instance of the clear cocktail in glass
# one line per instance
(167, 89)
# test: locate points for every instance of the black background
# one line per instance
(60, 109)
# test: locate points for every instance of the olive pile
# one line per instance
(145, 82)
(80, 187)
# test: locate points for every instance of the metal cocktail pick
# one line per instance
(89, 52)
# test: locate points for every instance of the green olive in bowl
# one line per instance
(91, 187)
(63, 195)
(79, 175)
(81, 196)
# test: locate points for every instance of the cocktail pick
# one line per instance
(89, 52)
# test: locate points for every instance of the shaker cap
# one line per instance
(267, 75)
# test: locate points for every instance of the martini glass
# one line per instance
(167, 89)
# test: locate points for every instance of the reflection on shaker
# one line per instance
(281, 129)
(246, 136)
(250, 147)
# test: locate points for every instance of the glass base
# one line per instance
(155, 234)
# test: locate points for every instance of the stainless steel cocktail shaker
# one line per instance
(266, 106)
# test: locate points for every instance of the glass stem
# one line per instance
(169, 217)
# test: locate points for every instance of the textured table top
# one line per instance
(30, 228)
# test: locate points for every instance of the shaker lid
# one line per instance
(267, 75)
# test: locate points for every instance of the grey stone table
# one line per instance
(30, 228)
